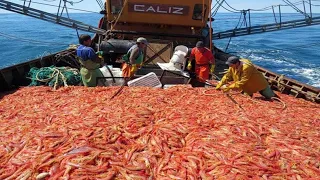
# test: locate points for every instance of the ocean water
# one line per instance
(294, 53)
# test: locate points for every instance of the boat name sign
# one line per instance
(158, 8)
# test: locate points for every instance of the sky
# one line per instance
(260, 4)
(92, 5)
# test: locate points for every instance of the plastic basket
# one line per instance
(149, 80)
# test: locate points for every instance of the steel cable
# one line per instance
(284, 49)
(216, 10)
(30, 40)
(51, 5)
(234, 29)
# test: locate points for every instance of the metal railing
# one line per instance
(25, 10)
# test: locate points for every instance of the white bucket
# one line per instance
(182, 48)
(181, 51)
(178, 59)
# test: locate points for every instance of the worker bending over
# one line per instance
(245, 78)
(205, 61)
(134, 58)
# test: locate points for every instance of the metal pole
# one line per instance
(274, 14)
(99, 42)
(249, 18)
(62, 11)
(310, 8)
(210, 31)
(304, 7)
(245, 17)
(280, 14)
(162, 74)
(59, 8)
(76, 27)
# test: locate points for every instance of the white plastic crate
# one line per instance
(149, 80)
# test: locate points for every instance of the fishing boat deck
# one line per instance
(15, 76)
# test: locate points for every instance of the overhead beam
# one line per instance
(17, 8)
(267, 28)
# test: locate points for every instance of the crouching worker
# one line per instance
(90, 63)
(134, 58)
(245, 78)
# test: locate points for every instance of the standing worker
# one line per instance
(134, 58)
(89, 60)
(205, 61)
(246, 78)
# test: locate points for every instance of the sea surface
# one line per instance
(294, 53)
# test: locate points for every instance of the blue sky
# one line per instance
(92, 5)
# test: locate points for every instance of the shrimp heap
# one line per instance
(149, 133)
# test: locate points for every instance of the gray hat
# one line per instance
(142, 40)
(232, 60)
(199, 44)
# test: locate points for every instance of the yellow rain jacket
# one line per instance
(246, 78)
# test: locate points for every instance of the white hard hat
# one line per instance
(142, 40)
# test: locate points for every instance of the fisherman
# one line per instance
(90, 62)
(245, 78)
(134, 58)
(204, 59)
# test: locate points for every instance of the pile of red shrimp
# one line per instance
(146, 133)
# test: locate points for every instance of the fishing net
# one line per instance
(54, 76)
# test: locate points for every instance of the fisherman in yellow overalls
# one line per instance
(90, 62)
(245, 78)
(134, 58)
